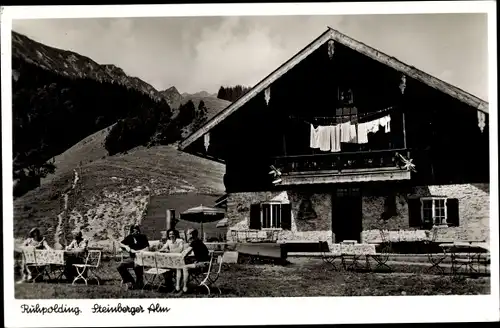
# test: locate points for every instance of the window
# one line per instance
(346, 114)
(270, 215)
(434, 210)
(426, 212)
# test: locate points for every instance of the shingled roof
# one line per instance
(331, 34)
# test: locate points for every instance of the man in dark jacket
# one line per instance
(135, 242)
(200, 258)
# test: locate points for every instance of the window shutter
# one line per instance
(414, 213)
(286, 216)
(255, 216)
(452, 209)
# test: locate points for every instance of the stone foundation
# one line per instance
(473, 210)
(320, 228)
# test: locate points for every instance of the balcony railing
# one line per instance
(340, 161)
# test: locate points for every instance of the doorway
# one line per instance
(347, 214)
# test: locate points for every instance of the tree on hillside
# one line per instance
(201, 115)
(232, 93)
(187, 114)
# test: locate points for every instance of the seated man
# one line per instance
(135, 242)
(160, 244)
(79, 246)
(200, 258)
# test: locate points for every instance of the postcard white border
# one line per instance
(235, 311)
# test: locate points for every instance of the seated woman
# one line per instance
(79, 246)
(201, 255)
(174, 244)
(36, 241)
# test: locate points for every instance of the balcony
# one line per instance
(377, 165)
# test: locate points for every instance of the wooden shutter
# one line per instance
(452, 209)
(286, 216)
(414, 213)
(255, 216)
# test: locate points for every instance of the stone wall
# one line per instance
(307, 228)
(474, 211)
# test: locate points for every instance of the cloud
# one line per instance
(203, 53)
(223, 57)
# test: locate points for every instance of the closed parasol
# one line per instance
(222, 223)
(202, 214)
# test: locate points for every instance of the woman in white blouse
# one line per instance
(37, 241)
(174, 244)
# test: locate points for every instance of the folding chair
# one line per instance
(326, 255)
(40, 269)
(435, 258)
(92, 263)
(382, 257)
(207, 275)
(149, 260)
(122, 257)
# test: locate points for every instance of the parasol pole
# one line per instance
(202, 235)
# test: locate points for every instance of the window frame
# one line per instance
(271, 204)
(434, 199)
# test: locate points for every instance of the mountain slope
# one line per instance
(114, 192)
(214, 105)
(86, 151)
(60, 97)
(73, 65)
(172, 96)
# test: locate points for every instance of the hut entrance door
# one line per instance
(347, 214)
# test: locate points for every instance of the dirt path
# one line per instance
(59, 233)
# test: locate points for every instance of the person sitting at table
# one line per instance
(37, 241)
(78, 246)
(159, 245)
(135, 242)
(201, 255)
(78, 242)
(174, 244)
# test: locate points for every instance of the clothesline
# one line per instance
(360, 117)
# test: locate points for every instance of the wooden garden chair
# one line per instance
(327, 256)
(149, 260)
(89, 268)
(206, 275)
(34, 267)
(382, 257)
(436, 259)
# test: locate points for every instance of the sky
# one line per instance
(202, 53)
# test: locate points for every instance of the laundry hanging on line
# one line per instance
(329, 138)
(373, 127)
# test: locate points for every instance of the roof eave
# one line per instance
(259, 87)
(410, 71)
(357, 46)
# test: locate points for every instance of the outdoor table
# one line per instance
(472, 252)
(49, 259)
(355, 252)
(352, 252)
(163, 260)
